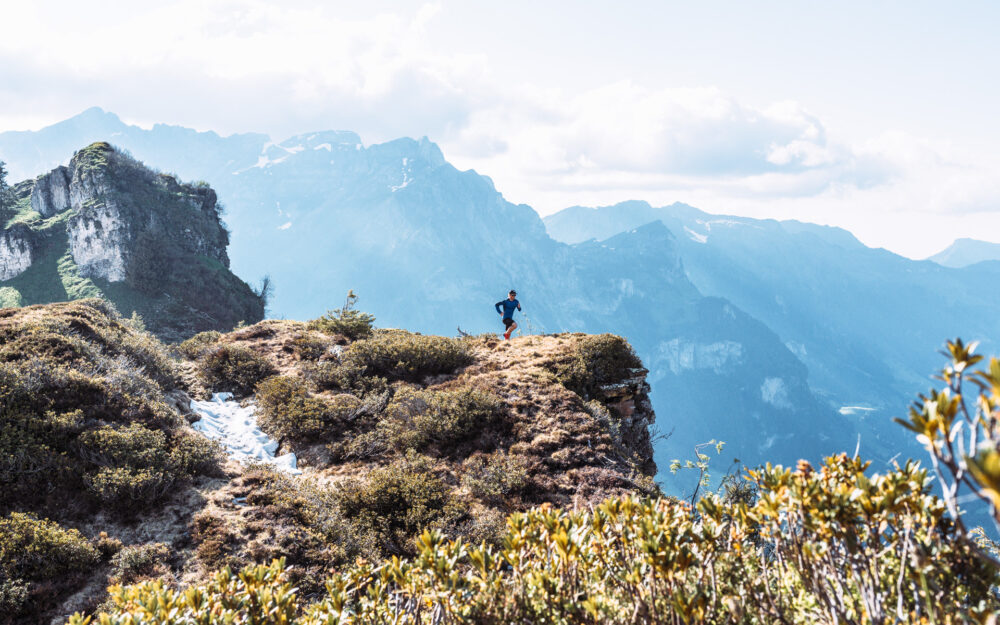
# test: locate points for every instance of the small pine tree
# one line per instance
(346, 320)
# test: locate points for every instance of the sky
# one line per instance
(876, 117)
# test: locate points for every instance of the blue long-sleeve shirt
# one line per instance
(508, 307)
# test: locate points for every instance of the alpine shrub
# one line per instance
(395, 503)
(196, 346)
(597, 361)
(347, 321)
(234, 368)
(287, 411)
(402, 355)
(418, 419)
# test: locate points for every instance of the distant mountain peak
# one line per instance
(965, 251)
(93, 116)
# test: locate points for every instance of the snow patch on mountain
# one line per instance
(774, 392)
(681, 355)
(235, 426)
(697, 237)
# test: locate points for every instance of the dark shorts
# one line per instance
(507, 322)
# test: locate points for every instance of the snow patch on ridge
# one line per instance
(235, 426)
(697, 237)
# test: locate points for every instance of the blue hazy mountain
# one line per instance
(739, 335)
(865, 322)
(965, 252)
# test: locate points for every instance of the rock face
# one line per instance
(629, 401)
(107, 225)
(51, 194)
(15, 253)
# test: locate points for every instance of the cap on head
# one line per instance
(512, 292)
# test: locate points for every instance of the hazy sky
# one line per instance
(878, 117)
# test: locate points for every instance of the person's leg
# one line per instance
(508, 323)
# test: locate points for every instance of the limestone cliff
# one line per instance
(105, 225)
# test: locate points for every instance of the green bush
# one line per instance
(395, 503)
(234, 368)
(125, 489)
(311, 345)
(133, 446)
(402, 355)
(346, 377)
(136, 465)
(39, 561)
(597, 361)
(199, 344)
(193, 454)
(287, 411)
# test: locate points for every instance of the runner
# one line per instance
(509, 305)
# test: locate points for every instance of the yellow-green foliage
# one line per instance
(34, 553)
(961, 430)
(834, 545)
(257, 595)
(233, 368)
(597, 361)
(403, 355)
(288, 411)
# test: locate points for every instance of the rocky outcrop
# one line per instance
(161, 242)
(101, 186)
(98, 239)
(629, 403)
(15, 253)
(51, 193)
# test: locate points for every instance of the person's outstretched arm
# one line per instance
(519, 305)
(497, 305)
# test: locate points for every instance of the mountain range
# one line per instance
(784, 339)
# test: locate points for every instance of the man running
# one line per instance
(509, 305)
